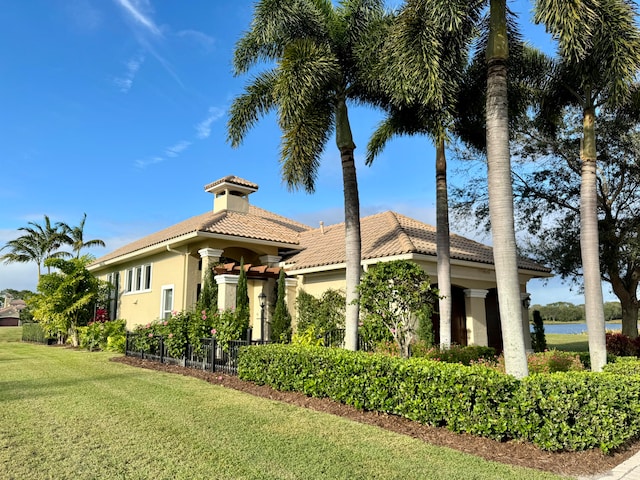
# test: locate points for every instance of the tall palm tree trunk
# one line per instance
(501, 195)
(442, 244)
(589, 245)
(344, 140)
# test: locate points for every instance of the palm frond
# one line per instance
(247, 108)
(308, 70)
(304, 138)
(275, 23)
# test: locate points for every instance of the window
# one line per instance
(166, 306)
(138, 279)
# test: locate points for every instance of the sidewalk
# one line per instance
(627, 470)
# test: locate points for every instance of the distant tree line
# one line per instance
(568, 312)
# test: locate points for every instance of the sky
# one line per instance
(118, 109)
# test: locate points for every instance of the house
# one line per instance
(10, 311)
(164, 271)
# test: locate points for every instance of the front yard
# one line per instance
(69, 414)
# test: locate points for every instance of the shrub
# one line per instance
(227, 326)
(281, 322)
(538, 339)
(622, 346)
(465, 399)
(33, 332)
(559, 411)
(465, 355)
(553, 361)
(104, 335)
(628, 366)
(307, 337)
(326, 313)
(397, 293)
(242, 298)
(577, 410)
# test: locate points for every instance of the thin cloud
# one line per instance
(84, 15)
(150, 161)
(203, 129)
(125, 82)
(204, 40)
(175, 150)
(133, 9)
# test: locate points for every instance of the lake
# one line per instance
(575, 327)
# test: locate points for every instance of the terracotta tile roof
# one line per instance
(386, 234)
(232, 179)
(257, 224)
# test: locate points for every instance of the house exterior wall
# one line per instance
(167, 270)
(475, 280)
(180, 269)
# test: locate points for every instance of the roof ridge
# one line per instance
(404, 239)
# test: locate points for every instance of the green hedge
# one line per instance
(623, 366)
(33, 332)
(465, 399)
(561, 411)
(577, 410)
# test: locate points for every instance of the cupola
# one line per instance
(231, 193)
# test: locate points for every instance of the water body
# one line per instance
(575, 327)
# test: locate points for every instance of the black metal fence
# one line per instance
(335, 338)
(211, 356)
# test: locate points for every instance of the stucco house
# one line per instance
(164, 271)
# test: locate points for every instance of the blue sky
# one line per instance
(118, 108)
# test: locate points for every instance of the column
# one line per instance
(476, 313)
(526, 301)
(209, 256)
(270, 260)
(227, 285)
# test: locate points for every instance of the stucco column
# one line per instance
(270, 260)
(209, 256)
(291, 285)
(476, 316)
(227, 285)
(526, 301)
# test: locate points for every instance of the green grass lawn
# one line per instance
(575, 342)
(68, 414)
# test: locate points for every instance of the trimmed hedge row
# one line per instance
(33, 332)
(562, 411)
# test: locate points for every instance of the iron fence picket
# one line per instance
(212, 356)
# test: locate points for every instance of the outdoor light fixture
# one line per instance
(262, 298)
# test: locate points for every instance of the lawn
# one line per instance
(69, 414)
(575, 342)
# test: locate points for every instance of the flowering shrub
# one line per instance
(102, 315)
(553, 361)
(228, 326)
(188, 328)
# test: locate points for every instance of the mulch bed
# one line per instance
(513, 453)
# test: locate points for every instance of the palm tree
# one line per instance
(74, 236)
(422, 32)
(505, 253)
(598, 65)
(314, 46)
(39, 243)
